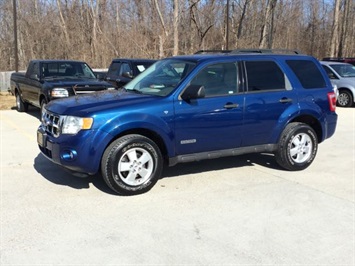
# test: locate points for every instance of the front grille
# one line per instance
(51, 123)
(78, 89)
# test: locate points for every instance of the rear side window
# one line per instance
(265, 76)
(307, 73)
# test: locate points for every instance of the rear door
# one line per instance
(268, 94)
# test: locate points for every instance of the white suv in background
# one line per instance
(342, 75)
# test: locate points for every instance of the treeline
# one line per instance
(98, 30)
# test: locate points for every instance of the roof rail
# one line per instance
(266, 51)
(213, 51)
(258, 51)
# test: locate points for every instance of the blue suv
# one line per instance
(191, 108)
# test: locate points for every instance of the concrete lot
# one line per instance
(233, 211)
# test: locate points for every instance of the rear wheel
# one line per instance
(21, 106)
(345, 99)
(131, 165)
(297, 147)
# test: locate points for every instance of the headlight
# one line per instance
(111, 88)
(59, 93)
(73, 124)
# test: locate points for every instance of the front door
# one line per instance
(215, 121)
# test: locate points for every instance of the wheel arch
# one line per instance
(349, 89)
(312, 122)
(152, 135)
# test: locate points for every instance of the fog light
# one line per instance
(69, 155)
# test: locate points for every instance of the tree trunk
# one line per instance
(334, 45)
(176, 27)
(267, 28)
(64, 27)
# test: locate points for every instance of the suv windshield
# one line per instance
(161, 78)
(344, 71)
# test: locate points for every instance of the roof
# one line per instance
(328, 63)
(57, 60)
(134, 59)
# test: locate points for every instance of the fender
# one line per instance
(135, 121)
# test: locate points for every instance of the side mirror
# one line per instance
(34, 76)
(193, 92)
(127, 75)
(100, 76)
(332, 76)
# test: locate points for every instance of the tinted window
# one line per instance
(307, 73)
(113, 70)
(35, 69)
(330, 73)
(265, 75)
(125, 68)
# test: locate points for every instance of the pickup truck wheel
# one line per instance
(43, 105)
(345, 99)
(131, 165)
(297, 147)
(20, 105)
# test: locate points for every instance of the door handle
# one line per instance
(231, 105)
(285, 100)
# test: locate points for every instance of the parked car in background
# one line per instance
(123, 70)
(349, 60)
(47, 80)
(343, 76)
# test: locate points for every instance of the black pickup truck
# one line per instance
(46, 80)
(123, 70)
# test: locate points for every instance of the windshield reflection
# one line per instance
(161, 78)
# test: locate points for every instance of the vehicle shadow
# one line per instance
(61, 176)
(32, 111)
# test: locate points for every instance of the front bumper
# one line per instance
(79, 153)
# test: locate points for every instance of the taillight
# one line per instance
(332, 99)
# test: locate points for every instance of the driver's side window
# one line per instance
(218, 79)
(125, 68)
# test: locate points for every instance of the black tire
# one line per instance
(297, 147)
(131, 165)
(345, 99)
(43, 105)
(21, 106)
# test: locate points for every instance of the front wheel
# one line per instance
(21, 106)
(43, 106)
(297, 147)
(131, 165)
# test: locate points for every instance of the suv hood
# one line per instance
(83, 105)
